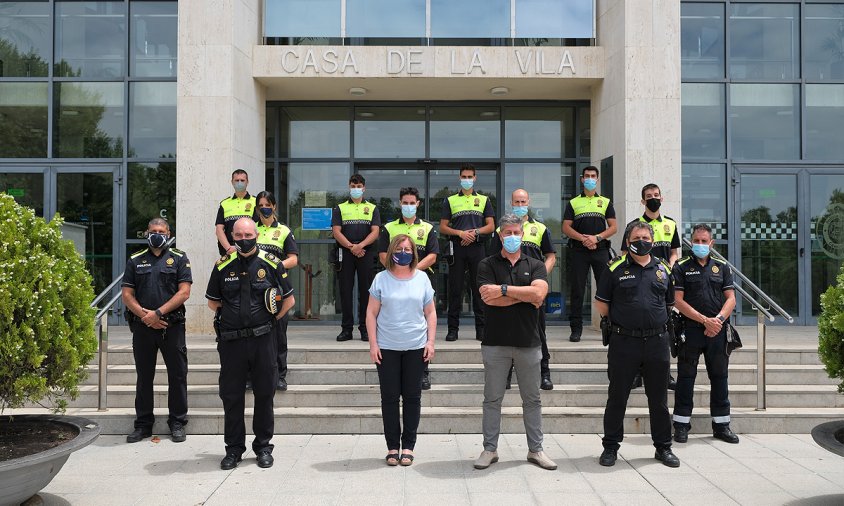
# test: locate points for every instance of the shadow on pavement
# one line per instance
(821, 500)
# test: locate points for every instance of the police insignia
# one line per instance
(599, 204)
(365, 210)
(276, 234)
(170, 261)
(262, 274)
(666, 228)
(222, 259)
(477, 202)
(659, 274)
(420, 233)
(626, 272)
(231, 274)
(532, 230)
(248, 207)
(715, 269)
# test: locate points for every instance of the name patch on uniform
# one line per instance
(629, 276)
(170, 261)
(230, 279)
(262, 273)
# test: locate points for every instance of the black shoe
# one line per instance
(681, 433)
(138, 434)
(345, 335)
(177, 432)
(725, 434)
(249, 384)
(364, 335)
(672, 384)
(426, 381)
(575, 335)
(281, 385)
(608, 457)
(479, 334)
(509, 384)
(637, 381)
(265, 459)
(667, 457)
(546, 383)
(230, 461)
(451, 336)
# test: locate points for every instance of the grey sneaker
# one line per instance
(541, 460)
(486, 459)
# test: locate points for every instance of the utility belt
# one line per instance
(617, 329)
(231, 335)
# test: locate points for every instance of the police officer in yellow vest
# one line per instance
(239, 205)
(588, 221)
(536, 243)
(275, 238)
(466, 217)
(355, 223)
(424, 237)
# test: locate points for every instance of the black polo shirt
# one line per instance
(516, 325)
(637, 295)
(156, 279)
(661, 251)
(703, 286)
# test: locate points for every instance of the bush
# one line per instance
(46, 325)
(831, 330)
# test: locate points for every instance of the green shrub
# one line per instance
(46, 326)
(831, 330)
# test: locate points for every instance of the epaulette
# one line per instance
(177, 252)
(665, 264)
(225, 259)
(719, 261)
(683, 260)
(615, 262)
(269, 258)
(140, 252)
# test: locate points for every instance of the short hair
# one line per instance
(409, 190)
(702, 226)
(266, 195)
(357, 179)
(650, 186)
(591, 168)
(509, 219)
(636, 225)
(391, 264)
(240, 171)
(159, 221)
(469, 167)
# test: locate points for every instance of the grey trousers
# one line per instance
(497, 360)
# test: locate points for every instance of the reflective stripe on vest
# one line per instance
(235, 208)
(663, 230)
(589, 207)
(467, 204)
(272, 238)
(356, 214)
(418, 232)
(532, 232)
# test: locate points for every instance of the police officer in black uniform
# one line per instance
(155, 287)
(635, 293)
(706, 298)
(245, 318)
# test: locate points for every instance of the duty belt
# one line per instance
(616, 329)
(253, 332)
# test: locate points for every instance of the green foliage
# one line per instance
(46, 325)
(831, 330)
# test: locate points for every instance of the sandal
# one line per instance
(392, 459)
(406, 459)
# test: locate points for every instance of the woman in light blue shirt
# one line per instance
(401, 321)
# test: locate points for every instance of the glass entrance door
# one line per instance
(826, 225)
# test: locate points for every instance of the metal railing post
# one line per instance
(761, 403)
(102, 383)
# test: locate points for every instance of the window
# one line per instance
(539, 132)
(390, 132)
(152, 120)
(703, 121)
(151, 194)
(468, 19)
(704, 188)
(702, 40)
(90, 39)
(465, 132)
(25, 41)
(765, 121)
(89, 120)
(154, 39)
(554, 18)
(302, 18)
(764, 41)
(824, 42)
(824, 120)
(385, 18)
(23, 120)
(314, 132)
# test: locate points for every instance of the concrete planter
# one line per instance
(830, 436)
(23, 477)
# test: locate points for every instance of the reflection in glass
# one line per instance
(314, 132)
(89, 120)
(827, 232)
(325, 298)
(151, 193)
(765, 121)
(469, 19)
(764, 41)
(444, 183)
(382, 188)
(25, 40)
(702, 40)
(465, 132)
(315, 185)
(824, 120)
(824, 42)
(154, 39)
(390, 132)
(152, 120)
(704, 187)
(23, 120)
(90, 39)
(385, 18)
(539, 132)
(26, 188)
(302, 18)
(703, 120)
(554, 18)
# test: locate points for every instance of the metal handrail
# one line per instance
(101, 329)
(107, 290)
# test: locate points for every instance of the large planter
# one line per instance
(830, 436)
(24, 477)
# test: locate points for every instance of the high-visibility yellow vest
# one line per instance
(461, 204)
(356, 214)
(418, 232)
(272, 239)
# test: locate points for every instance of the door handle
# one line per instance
(802, 252)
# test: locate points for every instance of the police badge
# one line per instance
(533, 230)
(170, 261)
(666, 228)
(420, 233)
(365, 210)
(262, 273)
(248, 207)
(715, 269)
(477, 202)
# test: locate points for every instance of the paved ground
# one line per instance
(761, 470)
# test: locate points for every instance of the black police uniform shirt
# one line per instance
(432, 244)
(637, 295)
(589, 223)
(529, 241)
(262, 270)
(662, 245)
(703, 286)
(156, 279)
(360, 226)
(470, 218)
(228, 222)
(516, 325)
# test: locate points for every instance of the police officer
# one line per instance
(238, 293)
(466, 217)
(156, 285)
(588, 221)
(356, 225)
(424, 238)
(239, 205)
(536, 243)
(706, 298)
(635, 293)
(275, 238)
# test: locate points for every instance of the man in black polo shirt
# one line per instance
(636, 292)
(512, 286)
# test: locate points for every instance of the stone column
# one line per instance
(220, 127)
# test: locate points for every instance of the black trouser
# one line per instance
(715, 355)
(544, 368)
(580, 261)
(146, 343)
(253, 357)
(626, 355)
(281, 345)
(364, 267)
(400, 375)
(465, 256)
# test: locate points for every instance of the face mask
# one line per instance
(653, 205)
(402, 257)
(266, 212)
(356, 193)
(512, 243)
(239, 186)
(467, 184)
(408, 210)
(590, 184)
(520, 211)
(245, 245)
(640, 248)
(156, 240)
(700, 250)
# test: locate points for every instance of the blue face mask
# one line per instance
(512, 243)
(590, 184)
(467, 184)
(408, 210)
(356, 193)
(402, 257)
(520, 211)
(266, 212)
(239, 186)
(700, 250)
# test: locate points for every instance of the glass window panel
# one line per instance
(91, 39)
(445, 182)
(764, 41)
(469, 19)
(385, 18)
(465, 132)
(151, 194)
(827, 213)
(23, 120)
(270, 127)
(152, 120)
(538, 132)
(304, 179)
(325, 296)
(26, 188)
(704, 187)
(88, 120)
(554, 18)
(155, 39)
(765, 121)
(25, 38)
(702, 40)
(382, 187)
(824, 120)
(390, 132)
(302, 18)
(703, 120)
(584, 124)
(824, 42)
(544, 184)
(314, 132)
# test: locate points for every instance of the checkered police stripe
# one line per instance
(769, 231)
(719, 230)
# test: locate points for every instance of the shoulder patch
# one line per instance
(269, 258)
(683, 260)
(177, 252)
(719, 261)
(615, 262)
(665, 264)
(222, 259)
(140, 252)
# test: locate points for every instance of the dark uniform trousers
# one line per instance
(465, 256)
(146, 343)
(626, 355)
(364, 268)
(581, 259)
(254, 357)
(717, 363)
(281, 345)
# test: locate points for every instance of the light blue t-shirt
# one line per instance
(401, 323)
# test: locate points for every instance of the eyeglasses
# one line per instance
(404, 250)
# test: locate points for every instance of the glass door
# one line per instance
(825, 201)
(26, 185)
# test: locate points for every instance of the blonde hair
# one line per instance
(391, 264)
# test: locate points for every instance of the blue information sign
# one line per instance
(316, 218)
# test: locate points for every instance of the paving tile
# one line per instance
(508, 498)
(649, 498)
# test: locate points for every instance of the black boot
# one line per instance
(724, 433)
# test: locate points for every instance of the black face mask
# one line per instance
(156, 240)
(640, 248)
(653, 205)
(245, 245)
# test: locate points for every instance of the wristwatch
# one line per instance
(720, 318)
(503, 290)
(158, 313)
(598, 236)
